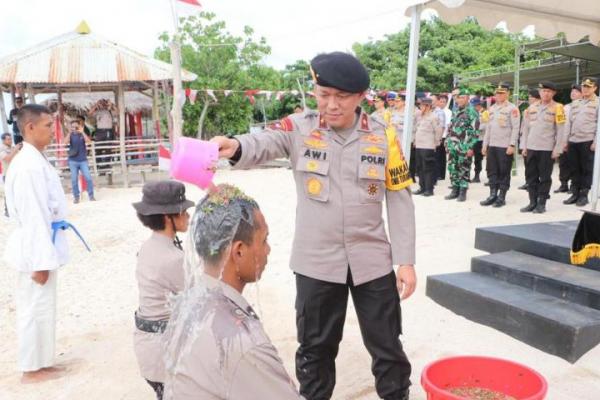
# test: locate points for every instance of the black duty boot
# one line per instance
(419, 192)
(541, 205)
(491, 198)
(501, 200)
(563, 188)
(462, 195)
(582, 200)
(428, 193)
(523, 187)
(476, 178)
(453, 194)
(573, 198)
(532, 203)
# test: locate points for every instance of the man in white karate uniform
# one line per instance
(36, 248)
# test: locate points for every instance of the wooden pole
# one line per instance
(121, 105)
(165, 85)
(155, 111)
(177, 90)
(3, 114)
(31, 94)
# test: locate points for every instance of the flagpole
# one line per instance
(177, 87)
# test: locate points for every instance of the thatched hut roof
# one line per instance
(81, 103)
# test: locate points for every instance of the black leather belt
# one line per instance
(145, 325)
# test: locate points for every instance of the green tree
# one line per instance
(444, 50)
(221, 61)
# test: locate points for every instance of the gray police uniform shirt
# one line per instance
(397, 120)
(543, 127)
(428, 131)
(582, 120)
(503, 126)
(159, 274)
(216, 348)
(340, 188)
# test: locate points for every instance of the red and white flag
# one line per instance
(164, 158)
(192, 2)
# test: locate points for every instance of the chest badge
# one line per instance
(372, 189)
(372, 172)
(312, 165)
(372, 138)
(314, 186)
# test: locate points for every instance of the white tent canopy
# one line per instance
(576, 20)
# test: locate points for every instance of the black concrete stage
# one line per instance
(527, 289)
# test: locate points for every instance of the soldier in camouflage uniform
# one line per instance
(462, 136)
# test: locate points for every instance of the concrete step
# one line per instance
(550, 324)
(549, 240)
(564, 281)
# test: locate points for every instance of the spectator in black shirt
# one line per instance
(12, 119)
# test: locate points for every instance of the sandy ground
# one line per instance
(97, 296)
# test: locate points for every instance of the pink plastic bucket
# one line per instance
(194, 161)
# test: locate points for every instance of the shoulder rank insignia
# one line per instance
(284, 124)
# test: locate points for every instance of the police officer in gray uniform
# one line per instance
(159, 273)
(542, 143)
(215, 345)
(499, 145)
(581, 136)
(340, 157)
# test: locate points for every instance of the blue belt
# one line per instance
(64, 225)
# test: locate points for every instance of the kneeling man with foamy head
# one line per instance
(215, 343)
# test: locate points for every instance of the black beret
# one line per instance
(534, 93)
(547, 85)
(589, 81)
(341, 71)
(576, 87)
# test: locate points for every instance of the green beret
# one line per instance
(341, 71)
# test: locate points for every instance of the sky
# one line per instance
(294, 30)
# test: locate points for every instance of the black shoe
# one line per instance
(453, 194)
(563, 188)
(541, 205)
(582, 200)
(462, 196)
(476, 178)
(419, 192)
(532, 203)
(428, 193)
(75, 200)
(486, 184)
(572, 199)
(501, 200)
(523, 187)
(491, 198)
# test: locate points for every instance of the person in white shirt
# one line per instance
(444, 115)
(36, 202)
(7, 153)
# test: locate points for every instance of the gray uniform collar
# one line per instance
(232, 295)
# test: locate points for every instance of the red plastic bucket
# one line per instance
(503, 376)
